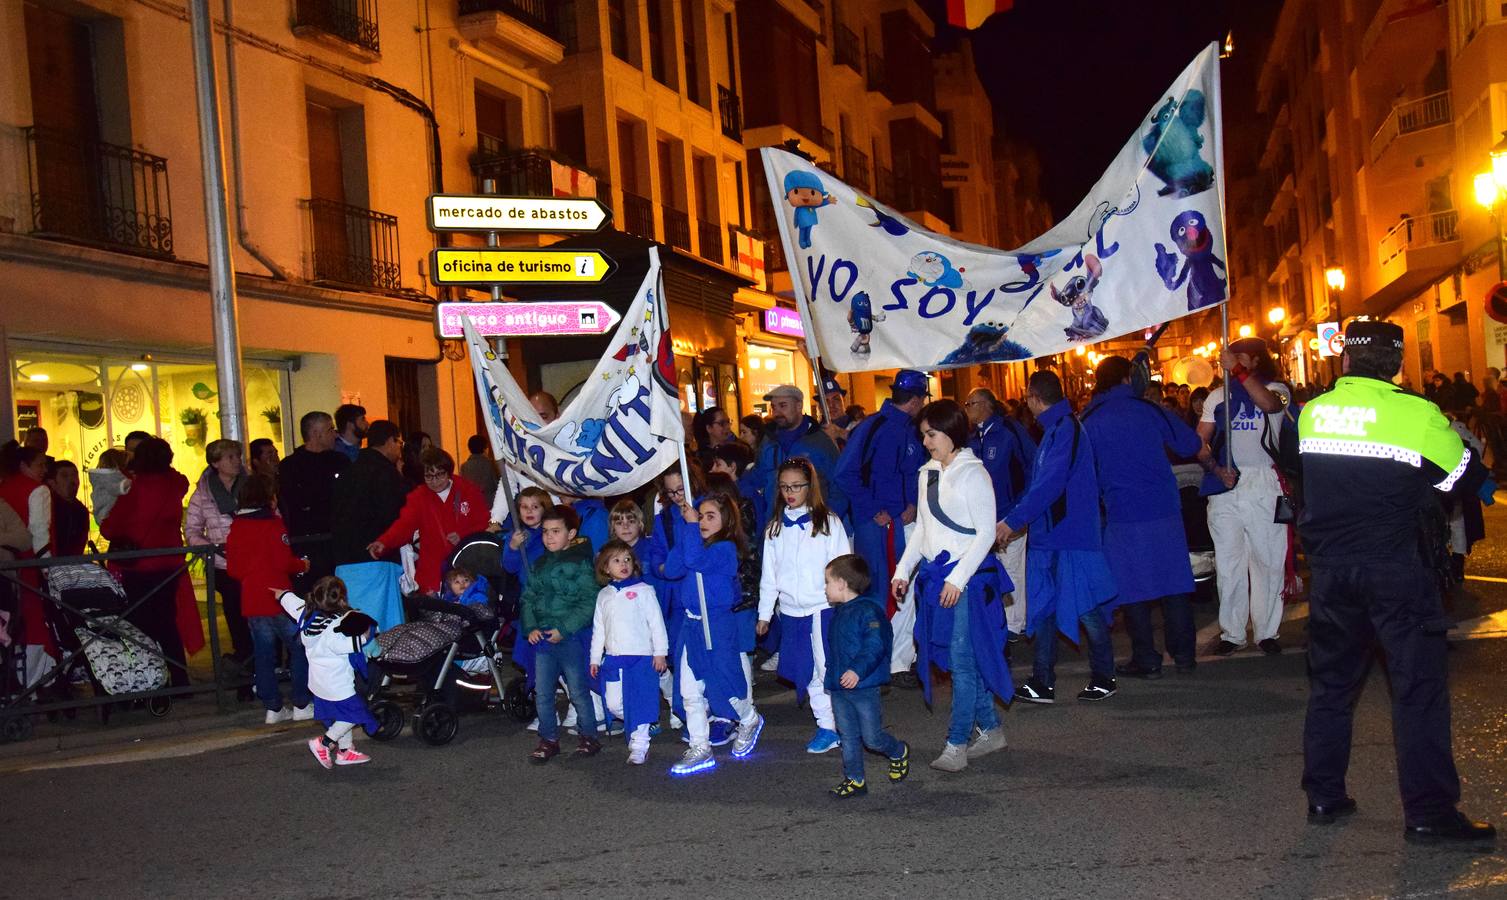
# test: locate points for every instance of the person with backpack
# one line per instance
(1005, 448)
(877, 472)
(1248, 521)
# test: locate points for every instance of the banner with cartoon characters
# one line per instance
(1146, 246)
(623, 427)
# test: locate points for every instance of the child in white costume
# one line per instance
(332, 635)
(629, 645)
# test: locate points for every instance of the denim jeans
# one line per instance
(972, 704)
(1101, 653)
(860, 723)
(1177, 620)
(267, 632)
(567, 658)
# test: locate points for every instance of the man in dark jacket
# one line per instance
(306, 487)
(368, 498)
(793, 433)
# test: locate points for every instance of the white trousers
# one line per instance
(903, 622)
(693, 692)
(821, 701)
(638, 739)
(1250, 556)
(1013, 558)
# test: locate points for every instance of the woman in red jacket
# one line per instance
(443, 510)
(150, 516)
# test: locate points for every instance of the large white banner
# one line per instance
(622, 429)
(1145, 246)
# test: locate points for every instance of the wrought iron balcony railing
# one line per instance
(846, 50)
(855, 167)
(353, 21)
(638, 216)
(709, 240)
(540, 15)
(97, 193)
(354, 247)
(677, 229)
(518, 173)
(876, 81)
(730, 112)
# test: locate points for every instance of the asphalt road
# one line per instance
(1183, 787)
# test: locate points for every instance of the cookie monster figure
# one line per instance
(804, 191)
(1191, 235)
(1174, 145)
(986, 342)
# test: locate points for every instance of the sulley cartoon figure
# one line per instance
(1196, 242)
(1174, 145)
(1089, 322)
(804, 191)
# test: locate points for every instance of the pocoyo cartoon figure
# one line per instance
(1089, 322)
(804, 191)
(935, 270)
(861, 319)
(1192, 236)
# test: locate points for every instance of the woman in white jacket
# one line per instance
(801, 538)
(960, 586)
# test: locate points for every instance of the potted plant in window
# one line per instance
(274, 417)
(195, 424)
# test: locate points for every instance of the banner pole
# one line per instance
(1224, 342)
(504, 484)
(798, 287)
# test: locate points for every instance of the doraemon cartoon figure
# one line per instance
(935, 270)
(861, 319)
(1089, 322)
(1191, 235)
(804, 191)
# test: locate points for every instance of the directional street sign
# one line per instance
(464, 212)
(452, 265)
(527, 319)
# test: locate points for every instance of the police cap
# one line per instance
(1373, 333)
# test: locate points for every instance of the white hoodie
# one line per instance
(966, 495)
(105, 487)
(628, 622)
(795, 563)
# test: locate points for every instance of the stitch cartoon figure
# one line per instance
(1174, 145)
(891, 225)
(861, 319)
(804, 191)
(935, 270)
(986, 342)
(1192, 236)
(1089, 322)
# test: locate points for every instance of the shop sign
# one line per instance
(451, 265)
(590, 317)
(783, 321)
(1331, 340)
(462, 212)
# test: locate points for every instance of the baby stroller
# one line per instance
(481, 553)
(431, 649)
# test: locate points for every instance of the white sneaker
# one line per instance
(303, 713)
(954, 758)
(533, 726)
(279, 716)
(771, 664)
(986, 742)
(695, 759)
(637, 755)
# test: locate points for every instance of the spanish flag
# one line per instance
(972, 13)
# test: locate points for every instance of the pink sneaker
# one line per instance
(321, 751)
(351, 757)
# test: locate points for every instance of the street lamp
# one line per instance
(1334, 276)
(1491, 190)
(1246, 331)
(1276, 315)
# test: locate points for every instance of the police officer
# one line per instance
(1376, 462)
(1005, 448)
(878, 473)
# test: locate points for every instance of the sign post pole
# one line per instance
(500, 347)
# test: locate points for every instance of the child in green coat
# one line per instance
(558, 603)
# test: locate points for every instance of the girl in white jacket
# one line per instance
(629, 645)
(801, 538)
(333, 635)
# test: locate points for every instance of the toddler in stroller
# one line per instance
(447, 649)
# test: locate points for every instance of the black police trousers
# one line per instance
(1352, 608)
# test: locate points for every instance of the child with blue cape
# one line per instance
(629, 645)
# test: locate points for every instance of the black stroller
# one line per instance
(432, 650)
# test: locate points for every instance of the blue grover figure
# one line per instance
(1174, 144)
(1194, 239)
(804, 191)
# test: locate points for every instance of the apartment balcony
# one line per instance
(350, 22)
(875, 83)
(90, 192)
(638, 216)
(747, 254)
(846, 49)
(884, 186)
(527, 173)
(1410, 118)
(677, 229)
(730, 112)
(353, 247)
(855, 167)
(530, 28)
(1412, 255)
(709, 241)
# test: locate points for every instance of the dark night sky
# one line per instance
(1073, 78)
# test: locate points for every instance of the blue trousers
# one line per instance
(267, 633)
(551, 661)
(1177, 619)
(860, 723)
(972, 704)
(1101, 653)
(869, 542)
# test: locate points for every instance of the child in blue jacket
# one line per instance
(858, 662)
